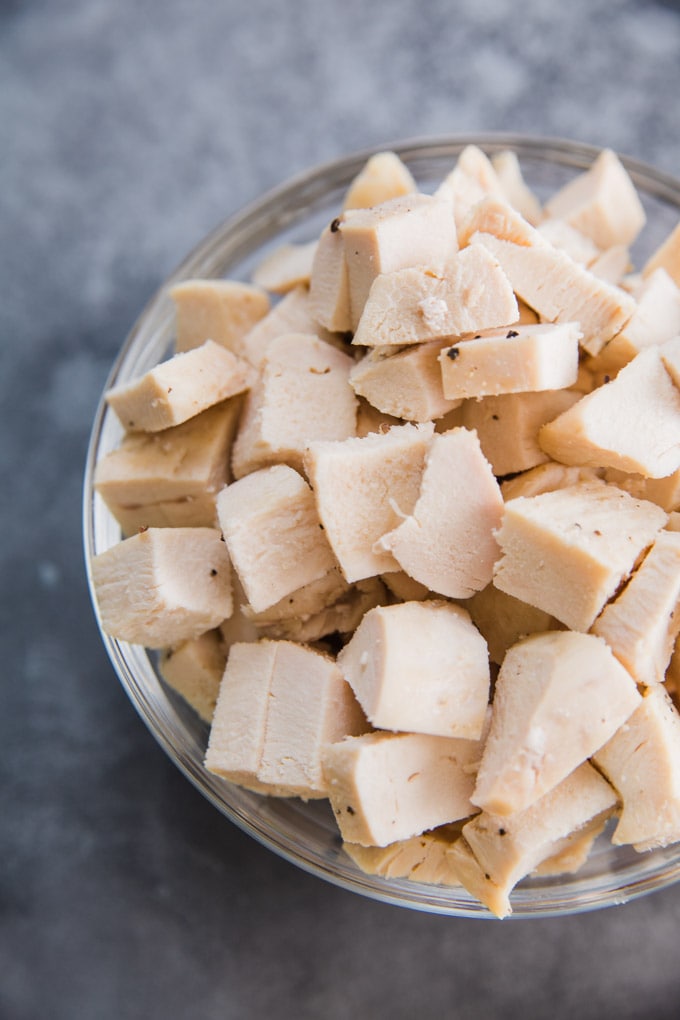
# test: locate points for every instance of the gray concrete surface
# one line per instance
(127, 130)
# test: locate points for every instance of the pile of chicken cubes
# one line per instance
(403, 520)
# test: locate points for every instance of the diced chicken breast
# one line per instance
(666, 256)
(632, 423)
(655, 321)
(364, 487)
(514, 187)
(180, 388)
(303, 393)
(504, 620)
(665, 492)
(273, 534)
(517, 360)
(508, 426)
(414, 230)
(383, 177)
(340, 617)
(384, 787)
(560, 290)
(558, 698)
(419, 667)
(163, 586)
(561, 235)
(642, 762)
(422, 858)
(194, 669)
(218, 310)
(642, 623)
(471, 179)
(447, 541)
(567, 551)
(292, 314)
(329, 283)
(602, 203)
(496, 852)
(468, 294)
(404, 383)
(182, 468)
(286, 268)
(279, 705)
(548, 477)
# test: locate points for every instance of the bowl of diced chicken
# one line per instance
(382, 524)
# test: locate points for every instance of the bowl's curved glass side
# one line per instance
(305, 833)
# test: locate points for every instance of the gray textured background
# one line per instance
(127, 130)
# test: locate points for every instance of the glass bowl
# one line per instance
(306, 834)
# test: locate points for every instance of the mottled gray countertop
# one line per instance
(128, 129)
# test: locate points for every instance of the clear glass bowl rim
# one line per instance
(244, 231)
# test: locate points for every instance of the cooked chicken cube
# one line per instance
(447, 541)
(558, 698)
(514, 188)
(602, 203)
(414, 230)
(409, 306)
(667, 256)
(504, 620)
(632, 423)
(194, 669)
(286, 268)
(278, 707)
(303, 393)
(439, 685)
(517, 360)
(384, 787)
(163, 586)
(642, 623)
(273, 534)
(496, 852)
(383, 177)
(406, 384)
(508, 426)
(180, 388)
(567, 551)
(182, 468)
(370, 482)
(219, 310)
(642, 762)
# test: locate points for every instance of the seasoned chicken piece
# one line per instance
(286, 268)
(514, 188)
(303, 393)
(642, 762)
(667, 256)
(273, 534)
(447, 541)
(469, 294)
(517, 360)
(173, 475)
(422, 858)
(642, 623)
(414, 230)
(194, 669)
(655, 321)
(602, 203)
(504, 620)
(219, 310)
(496, 852)
(163, 586)
(384, 787)
(404, 383)
(364, 487)
(567, 551)
(632, 423)
(329, 283)
(180, 388)
(439, 685)
(384, 177)
(471, 179)
(508, 426)
(558, 698)
(278, 707)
